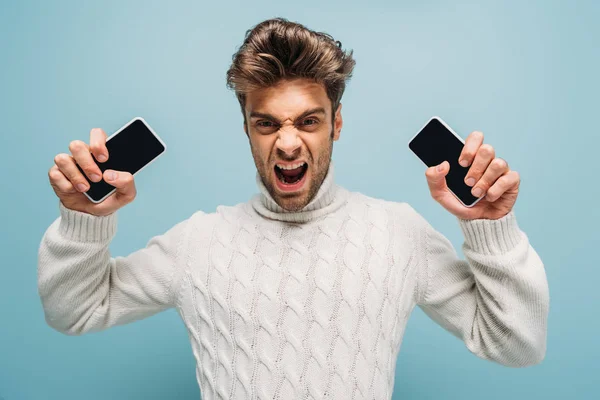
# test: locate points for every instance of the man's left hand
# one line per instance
(487, 173)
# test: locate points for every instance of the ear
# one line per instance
(338, 122)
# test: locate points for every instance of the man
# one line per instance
(305, 290)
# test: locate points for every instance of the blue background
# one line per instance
(524, 73)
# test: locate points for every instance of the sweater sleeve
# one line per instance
(497, 300)
(83, 289)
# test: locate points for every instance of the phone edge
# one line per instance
(150, 162)
(459, 138)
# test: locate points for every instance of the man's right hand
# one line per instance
(69, 184)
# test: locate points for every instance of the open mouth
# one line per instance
(290, 175)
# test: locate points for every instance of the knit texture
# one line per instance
(302, 305)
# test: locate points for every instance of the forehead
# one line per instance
(288, 98)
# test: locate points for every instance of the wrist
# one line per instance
(492, 236)
(80, 226)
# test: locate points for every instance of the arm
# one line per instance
(496, 301)
(83, 289)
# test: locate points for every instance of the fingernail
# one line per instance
(477, 192)
(101, 158)
(81, 187)
(471, 181)
(463, 163)
(112, 176)
(440, 167)
(95, 177)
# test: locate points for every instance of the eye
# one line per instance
(265, 127)
(310, 124)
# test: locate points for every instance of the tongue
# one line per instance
(291, 173)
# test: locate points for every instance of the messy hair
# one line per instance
(278, 49)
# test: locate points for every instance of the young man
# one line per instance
(305, 290)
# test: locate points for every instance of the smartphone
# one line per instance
(436, 142)
(132, 148)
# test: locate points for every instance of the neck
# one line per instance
(329, 198)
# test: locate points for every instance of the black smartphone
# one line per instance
(132, 148)
(435, 143)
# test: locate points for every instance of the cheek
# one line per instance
(317, 149)
(261, 149)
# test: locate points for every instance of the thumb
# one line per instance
(123, 182)
(436, 178)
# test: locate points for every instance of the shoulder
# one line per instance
(223, 215)
(401, 213)
(397, 208)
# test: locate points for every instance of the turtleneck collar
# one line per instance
(329, 198)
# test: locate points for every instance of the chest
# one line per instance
(268, 281)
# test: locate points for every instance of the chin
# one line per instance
(293, 199)
(292, 204)
(292, 196)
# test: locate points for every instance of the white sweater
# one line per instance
(313, 304)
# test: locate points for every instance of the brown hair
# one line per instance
(277, 49)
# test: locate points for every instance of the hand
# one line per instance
(487, 173)
(69, 183)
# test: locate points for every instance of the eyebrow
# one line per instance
(316, 110)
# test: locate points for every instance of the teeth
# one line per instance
(291, 166)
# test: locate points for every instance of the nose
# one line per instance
(288, 140)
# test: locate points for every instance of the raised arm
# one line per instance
(83, 289)
(497, 300)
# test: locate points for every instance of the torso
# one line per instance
(288, 310)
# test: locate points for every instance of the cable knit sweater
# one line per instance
(313, 304)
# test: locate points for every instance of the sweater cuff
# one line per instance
(84, 227)
(492, 236)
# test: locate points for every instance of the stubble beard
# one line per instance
(294, 202)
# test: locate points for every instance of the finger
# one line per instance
(60, 181)
(502, 185)
(496, 169)
(83, 157)
(66, 165)
(98, 144)
(485, 154)
(123, 182)
(436, 179)
(472, 144)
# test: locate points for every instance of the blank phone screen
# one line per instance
(435, 144)
(129, 150)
